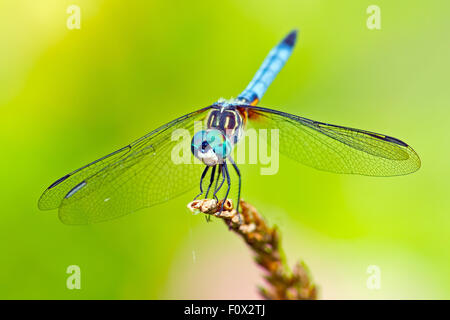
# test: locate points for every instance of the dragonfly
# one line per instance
(143, 173)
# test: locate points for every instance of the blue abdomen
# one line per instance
(269, 69)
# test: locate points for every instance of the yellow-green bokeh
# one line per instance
(68, 97)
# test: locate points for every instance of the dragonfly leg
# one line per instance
(201, 182)
(217, 182)
(240, 183)
(211, 181)
(213, 173)
(225, 170)
(217, 188)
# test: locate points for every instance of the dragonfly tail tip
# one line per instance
(291, 38)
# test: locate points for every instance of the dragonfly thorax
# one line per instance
(211, 146)
(226, 119)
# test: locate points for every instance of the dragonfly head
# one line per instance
(211, 147)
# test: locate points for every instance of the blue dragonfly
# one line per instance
(142, 174)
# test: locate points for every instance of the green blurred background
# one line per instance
(68, 97)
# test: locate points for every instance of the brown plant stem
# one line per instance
(264, 241)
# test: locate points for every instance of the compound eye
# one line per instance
(214, 137)
(198, 141)
(223, 150)
(204, 145)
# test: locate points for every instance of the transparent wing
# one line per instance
(139, 175)
(335, 148)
